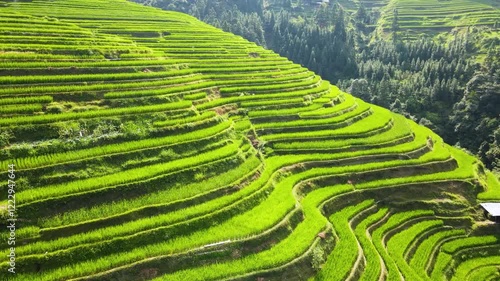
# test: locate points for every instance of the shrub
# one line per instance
(5, 137)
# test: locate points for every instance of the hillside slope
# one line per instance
(148, 145)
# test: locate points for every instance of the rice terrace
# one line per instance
(142, 144)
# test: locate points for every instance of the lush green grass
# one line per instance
(341, 260)
(58, 158)
(20, 109)
(435, 15)
(243, 98)
(465, 270)
(373, 266)
(26, 100)
(49, 118)
(420, 259)
(400, 129)
(446, 255)
(362, 108)
(493, 188)
(179, 192)
(287, 249)
(177, 122)
(397, 245)
(391, 264)
(366, 125)
(483, 272)
(348, 102)
(473, 241)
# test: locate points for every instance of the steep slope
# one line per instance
(148, 145)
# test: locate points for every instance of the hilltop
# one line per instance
(147, 145)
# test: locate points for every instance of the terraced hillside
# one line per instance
(416, 17)
(433, 16)
(150, 146)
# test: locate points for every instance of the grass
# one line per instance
(465, 271)
(448, 249)
(341, 260)
(366, 125)
(304, 234)
(400, 129)
(393, 271)
(131, 175)
(363, 108)
(50, 118)
(397, 245)
(243, 98)
(484, 272)
(420, 259)
(325, 112)
(435, 15)
(158, 198)
(372, 268)
(177, 122)
(473, 241)
(21, 109)
(58, 158)
(26, 100)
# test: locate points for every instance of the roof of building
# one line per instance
(492, 208)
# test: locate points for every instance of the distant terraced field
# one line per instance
(352, 6)
(416, 17)
(432, 16)
(150, 146)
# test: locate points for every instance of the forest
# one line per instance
(447, 83)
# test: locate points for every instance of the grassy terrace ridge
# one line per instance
(148, 145)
